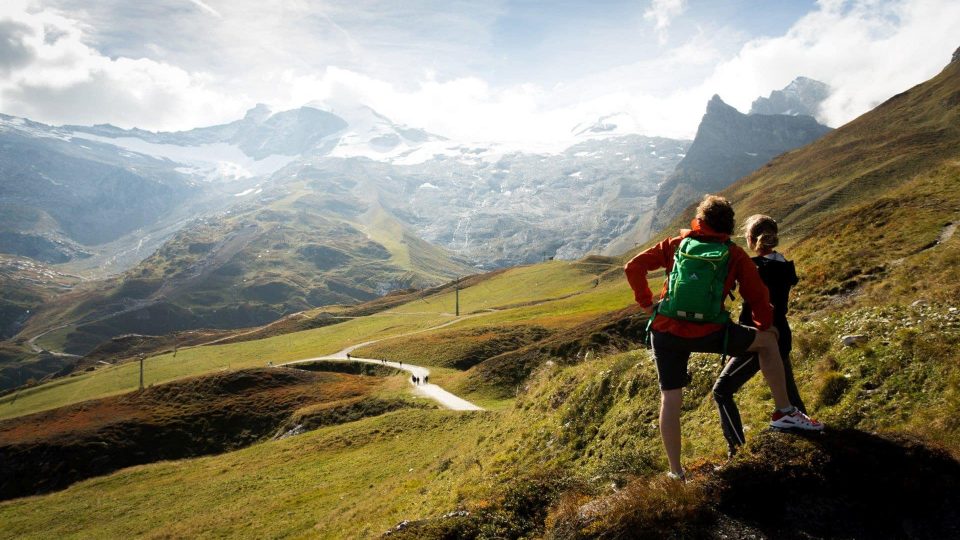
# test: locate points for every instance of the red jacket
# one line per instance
(742, 271)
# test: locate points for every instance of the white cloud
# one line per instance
(56, 77)
(662, 13)
(866, 50)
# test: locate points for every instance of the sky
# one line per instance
(522, 73)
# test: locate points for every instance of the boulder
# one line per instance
(853, 340)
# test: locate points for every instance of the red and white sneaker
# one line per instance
(794, 421)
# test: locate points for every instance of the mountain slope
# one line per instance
(300, 245)
(729, 145)
(60, 198)
(871, 208)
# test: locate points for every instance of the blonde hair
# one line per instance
(761, 232)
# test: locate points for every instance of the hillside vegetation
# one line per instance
(198, 416)
(303, 245)
(869, 210)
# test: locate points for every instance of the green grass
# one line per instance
(512, 287)
(521, 287)
(487, 334)
(406, 250)
(349, 481)
(55, 340)
(198, 360)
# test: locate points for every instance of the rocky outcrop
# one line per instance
(728, 146)
(801, 96)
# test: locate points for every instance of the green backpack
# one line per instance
(695, 290)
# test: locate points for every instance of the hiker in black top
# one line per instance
(779, 275)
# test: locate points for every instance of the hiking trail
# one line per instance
(432, 391)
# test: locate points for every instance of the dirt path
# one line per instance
(32, 342)
(432, 391)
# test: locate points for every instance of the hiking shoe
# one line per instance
(794, 421)
(682, 477)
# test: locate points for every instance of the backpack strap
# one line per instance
(647, 339)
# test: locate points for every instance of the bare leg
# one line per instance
(670, 403)
(771, 365)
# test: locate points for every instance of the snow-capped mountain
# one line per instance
(64, 198)
(802, 96)
(609, 125)
(493, 206)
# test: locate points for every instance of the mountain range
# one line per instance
(728, 146)
(242, 223)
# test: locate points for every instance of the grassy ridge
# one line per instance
(350, 481)
(522, 287)
(121, 378)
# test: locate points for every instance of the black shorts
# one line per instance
(671, 353)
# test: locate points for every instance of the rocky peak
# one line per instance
(716, 104)
(258, 114)
(956, 56)
(802, 96)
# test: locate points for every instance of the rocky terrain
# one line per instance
(802, 96)
(728, 146)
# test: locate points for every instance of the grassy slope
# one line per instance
(519, 286)
(858, 206)
(305, 248)
(113, 380)
(406, 250)
(336, 482)
(191, 417)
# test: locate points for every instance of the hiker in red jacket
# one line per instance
(674, 339)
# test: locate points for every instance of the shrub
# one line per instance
(832, 389)
(645, 508)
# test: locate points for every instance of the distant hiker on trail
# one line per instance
(702, 266)
(348, 356)
(779, 275)
(426, 379)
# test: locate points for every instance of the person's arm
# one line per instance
(753, 291)
(792, 278)
(636, 270)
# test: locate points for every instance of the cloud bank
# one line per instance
(52, 70)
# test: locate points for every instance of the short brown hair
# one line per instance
(717, 213)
